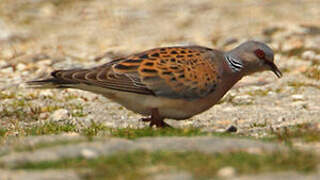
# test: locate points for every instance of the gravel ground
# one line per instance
(37, 37)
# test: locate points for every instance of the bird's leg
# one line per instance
(156, 119)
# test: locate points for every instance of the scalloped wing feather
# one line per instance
(173, 72)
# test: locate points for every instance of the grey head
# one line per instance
(251, 57)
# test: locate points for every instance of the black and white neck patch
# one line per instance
(234, 64)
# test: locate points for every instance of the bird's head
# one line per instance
(255, 57)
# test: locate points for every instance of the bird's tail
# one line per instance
(53, 82)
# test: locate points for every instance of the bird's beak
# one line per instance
(276, 70)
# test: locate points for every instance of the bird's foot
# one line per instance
(146, 119)
(156, 120)
(159, 123)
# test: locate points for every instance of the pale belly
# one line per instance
(178, 109)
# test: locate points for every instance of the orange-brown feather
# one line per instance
(173, 71)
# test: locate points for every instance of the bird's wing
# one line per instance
(173, 72)
(102, 76)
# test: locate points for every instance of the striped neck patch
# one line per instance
(234, 64)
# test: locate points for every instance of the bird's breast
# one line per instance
(174, 108)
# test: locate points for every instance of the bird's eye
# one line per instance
(259, 53)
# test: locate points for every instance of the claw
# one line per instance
(156, 120)
(146, 119)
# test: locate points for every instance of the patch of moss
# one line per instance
(50, 128)
(65, 3)
(135, 165)
(3, 132)
(313, 73)
(77, 110)
(228, 98)
(94, 129)
(7, 95)
(149, 132)
(19, 109)
(297, 84)
(259, 92)
(256, 124)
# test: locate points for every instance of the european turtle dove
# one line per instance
(168, 82)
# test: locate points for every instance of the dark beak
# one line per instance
(275, 69)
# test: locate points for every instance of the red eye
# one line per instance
(259, 53)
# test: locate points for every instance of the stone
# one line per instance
(20, 67)
(297, 97)
(8, 70)
(308, 55)
(242, 100)
(46, 93)
(88, 153)
(232, 128)
(60, 114)
(226, 172)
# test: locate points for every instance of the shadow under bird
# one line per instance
(168, 82)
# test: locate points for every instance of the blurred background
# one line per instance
(39, 36)
(86, 28)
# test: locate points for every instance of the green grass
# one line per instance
(149, 132)
(259, 92)
(135, 165)
(50, 128)
(98, 129)
(306, 132)
(94, 129)
(313, 73)
(3, 132)
(7, 95)
(259, 124)
(23, 109)
(298, 85)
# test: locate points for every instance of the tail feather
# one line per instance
(54, 82)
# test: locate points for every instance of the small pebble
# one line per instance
(43, 115)
(3, 63)
(244, 99)
(300, 104)
(46, 62)
(308, 55)
(232, 128)
(317, 58)
(297, 97)
(60, 114)
(45, 93)
(7, 70)
(20, 67)
(281, 119)
(226, 172)
(88, 153)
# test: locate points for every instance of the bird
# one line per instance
(175, 82)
